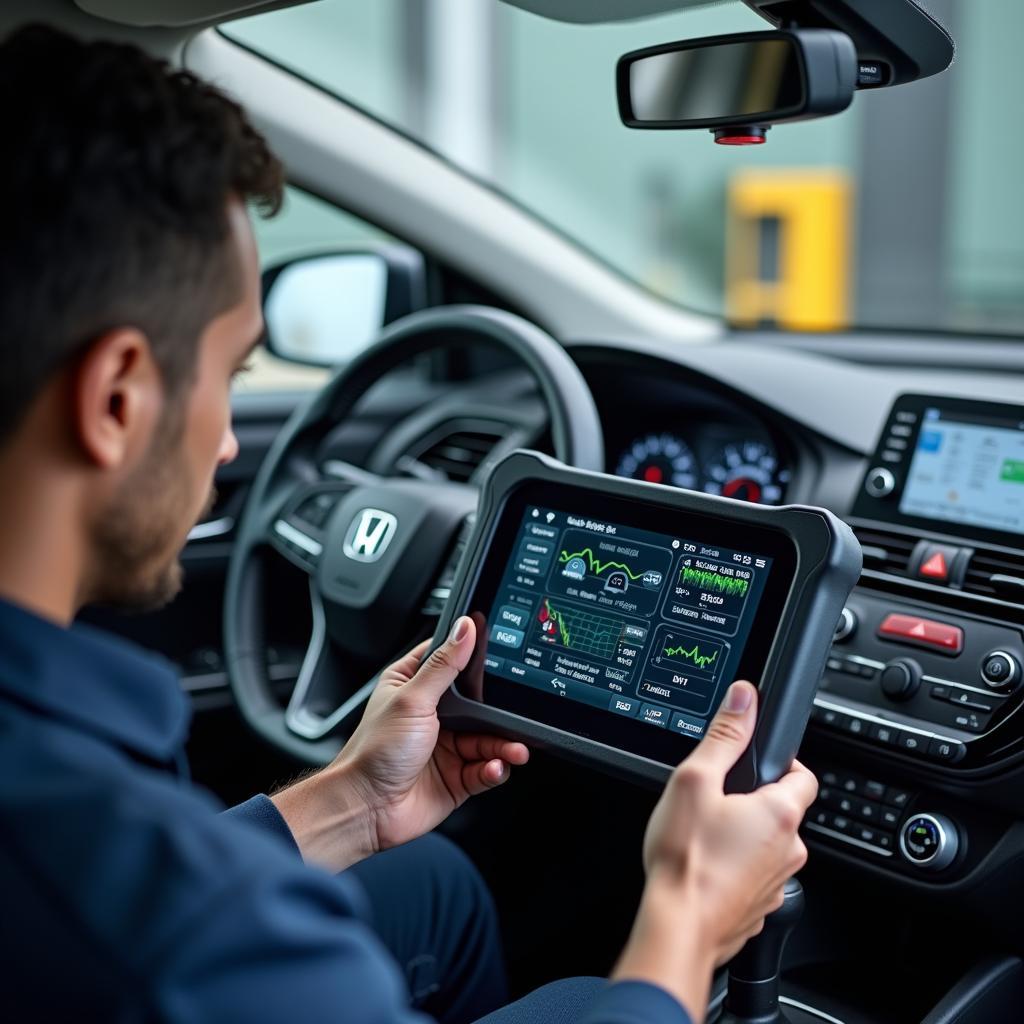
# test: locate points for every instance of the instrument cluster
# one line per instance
(716, 460)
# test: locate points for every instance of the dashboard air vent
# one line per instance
(457, 455)
(884, 551)
(996, 574)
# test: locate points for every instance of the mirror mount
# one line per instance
(742, 135)
(897, 41)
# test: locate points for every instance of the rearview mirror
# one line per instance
(323, 310)
(749, 80)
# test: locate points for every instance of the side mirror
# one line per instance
(737, 85)
(322, 310)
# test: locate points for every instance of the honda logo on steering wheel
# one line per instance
(369, 535)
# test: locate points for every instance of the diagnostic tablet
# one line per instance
(612, 615)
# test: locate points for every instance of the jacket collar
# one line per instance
(93, 681)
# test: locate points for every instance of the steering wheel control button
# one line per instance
(900, 679)
(939, 636)
(1000, 671)
(880, 482)
(929, 841)
(946, 751)
(505, 637)
(845, 627)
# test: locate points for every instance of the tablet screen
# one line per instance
(641, 627)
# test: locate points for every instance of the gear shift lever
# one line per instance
(753, 993)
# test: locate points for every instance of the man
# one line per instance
(129, 298)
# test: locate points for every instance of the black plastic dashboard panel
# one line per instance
(844, 402)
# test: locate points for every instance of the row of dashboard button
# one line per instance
(851, 668)
(862, 812)
(858, 808)
(869, 789)
(843, 826)
(910, 741)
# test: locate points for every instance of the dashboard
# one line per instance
(917, 733)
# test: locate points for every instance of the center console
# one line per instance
(927, 663)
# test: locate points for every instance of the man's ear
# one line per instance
(117, 397)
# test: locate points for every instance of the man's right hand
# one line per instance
(716, 863)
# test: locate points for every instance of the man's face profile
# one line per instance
(140, 535)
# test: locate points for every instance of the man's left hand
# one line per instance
(400, 774)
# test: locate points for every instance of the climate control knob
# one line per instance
(929, 841)
(900, 679)
(845, 627)
(1000, 671)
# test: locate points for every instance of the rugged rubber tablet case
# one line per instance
(828, 563)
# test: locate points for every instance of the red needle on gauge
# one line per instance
(742, 488)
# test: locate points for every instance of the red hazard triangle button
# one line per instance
(938, 563)
(935, 568)
(941, 636)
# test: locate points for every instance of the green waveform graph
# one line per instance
(713, 582)
(685, 654)
(694, 655)
(596, 566)
(579, 629)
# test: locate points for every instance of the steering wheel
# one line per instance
(373, 547)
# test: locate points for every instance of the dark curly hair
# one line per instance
(118, 173)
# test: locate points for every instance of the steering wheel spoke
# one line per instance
(321, 702)
(299, 530)
(379, 552)
(441, 591)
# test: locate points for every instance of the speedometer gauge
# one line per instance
(659, 459)
(748, 471)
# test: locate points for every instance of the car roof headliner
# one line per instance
(182, 13)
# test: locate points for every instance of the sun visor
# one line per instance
(177, 13)
(594, 12)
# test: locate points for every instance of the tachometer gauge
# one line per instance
(659, 459)
(748, 471)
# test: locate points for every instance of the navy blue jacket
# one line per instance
(126, 896)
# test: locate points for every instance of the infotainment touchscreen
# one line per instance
(649, 626)
(967, 467)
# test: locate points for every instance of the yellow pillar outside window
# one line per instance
(789, 249)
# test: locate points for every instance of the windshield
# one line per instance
(901, 212)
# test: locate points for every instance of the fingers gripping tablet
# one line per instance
(612, 615)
